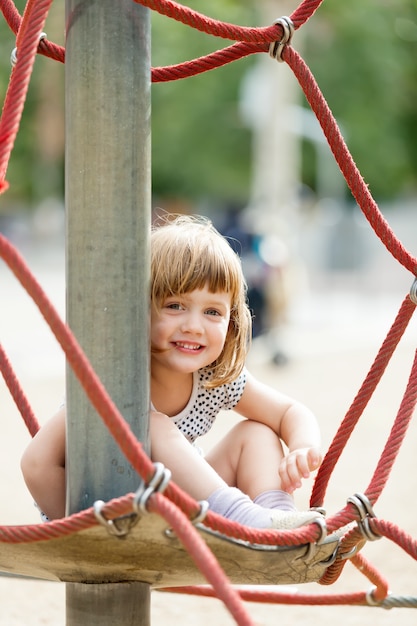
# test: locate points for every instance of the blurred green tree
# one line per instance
(362, 54)
(35, 169)
(200, 146)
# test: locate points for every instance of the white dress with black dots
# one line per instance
(199, 415)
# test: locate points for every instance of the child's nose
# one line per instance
(192, 323)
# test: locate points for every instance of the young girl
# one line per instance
(200, 330)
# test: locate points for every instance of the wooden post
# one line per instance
(107, 90)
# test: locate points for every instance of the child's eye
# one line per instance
(213, 312)
(175, 306)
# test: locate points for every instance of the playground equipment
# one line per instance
(147, 532)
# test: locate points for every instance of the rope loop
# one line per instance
(276, 48)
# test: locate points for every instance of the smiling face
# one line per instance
(191, 260)
(188, 331)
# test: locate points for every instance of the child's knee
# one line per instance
(31, 467)
(163, 433)
(250, 430)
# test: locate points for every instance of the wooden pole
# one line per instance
(107, 88)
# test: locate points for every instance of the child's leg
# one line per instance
(248, 458)
(43, 467)
(192, 473)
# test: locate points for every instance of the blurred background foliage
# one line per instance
(363, 54)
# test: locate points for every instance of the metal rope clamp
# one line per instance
(157, 484)
(121, 526)
(413, 292)
(13, 55)
(366, 512)
(276, 48)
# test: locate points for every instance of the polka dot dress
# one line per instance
(198, 416)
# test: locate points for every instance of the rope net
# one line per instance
(174, 505)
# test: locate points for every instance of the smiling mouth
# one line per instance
(188, 346)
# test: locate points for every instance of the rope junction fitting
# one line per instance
(413, 292)
(366, 512)
(276, 48)
(118, 527)
(13, 55)
(157, 484)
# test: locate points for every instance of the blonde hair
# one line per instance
(188, 253)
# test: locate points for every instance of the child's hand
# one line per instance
(296, 465)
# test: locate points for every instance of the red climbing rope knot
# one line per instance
(276, 48)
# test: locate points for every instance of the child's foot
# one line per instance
(288, 520)
(234, 505)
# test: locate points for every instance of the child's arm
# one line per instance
(43, 466)
(294, 423)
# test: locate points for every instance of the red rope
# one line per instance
(205, 24)
(390, 452)
(396, 535)
(361, 400)
(260, 37)
(79, 362)
(209, 62)
(396, 437)
(202, 556)
(367, 569)
(17, 393)
(28, 39)
(345, 161)
(279, 597)
(11, 14)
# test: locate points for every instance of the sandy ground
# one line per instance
(331, 341)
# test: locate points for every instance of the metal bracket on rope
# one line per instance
(118, 527)
(13, 55)
(121, 526)
(312, 547)
(413, 292)
(366, 512)
(200, 517)
(370, 598)
(276, 47)
(157, 484)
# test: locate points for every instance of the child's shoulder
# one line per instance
(228, 394)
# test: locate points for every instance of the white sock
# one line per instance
(276, 499)
(232, 504)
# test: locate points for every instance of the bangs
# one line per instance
(189, 259)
